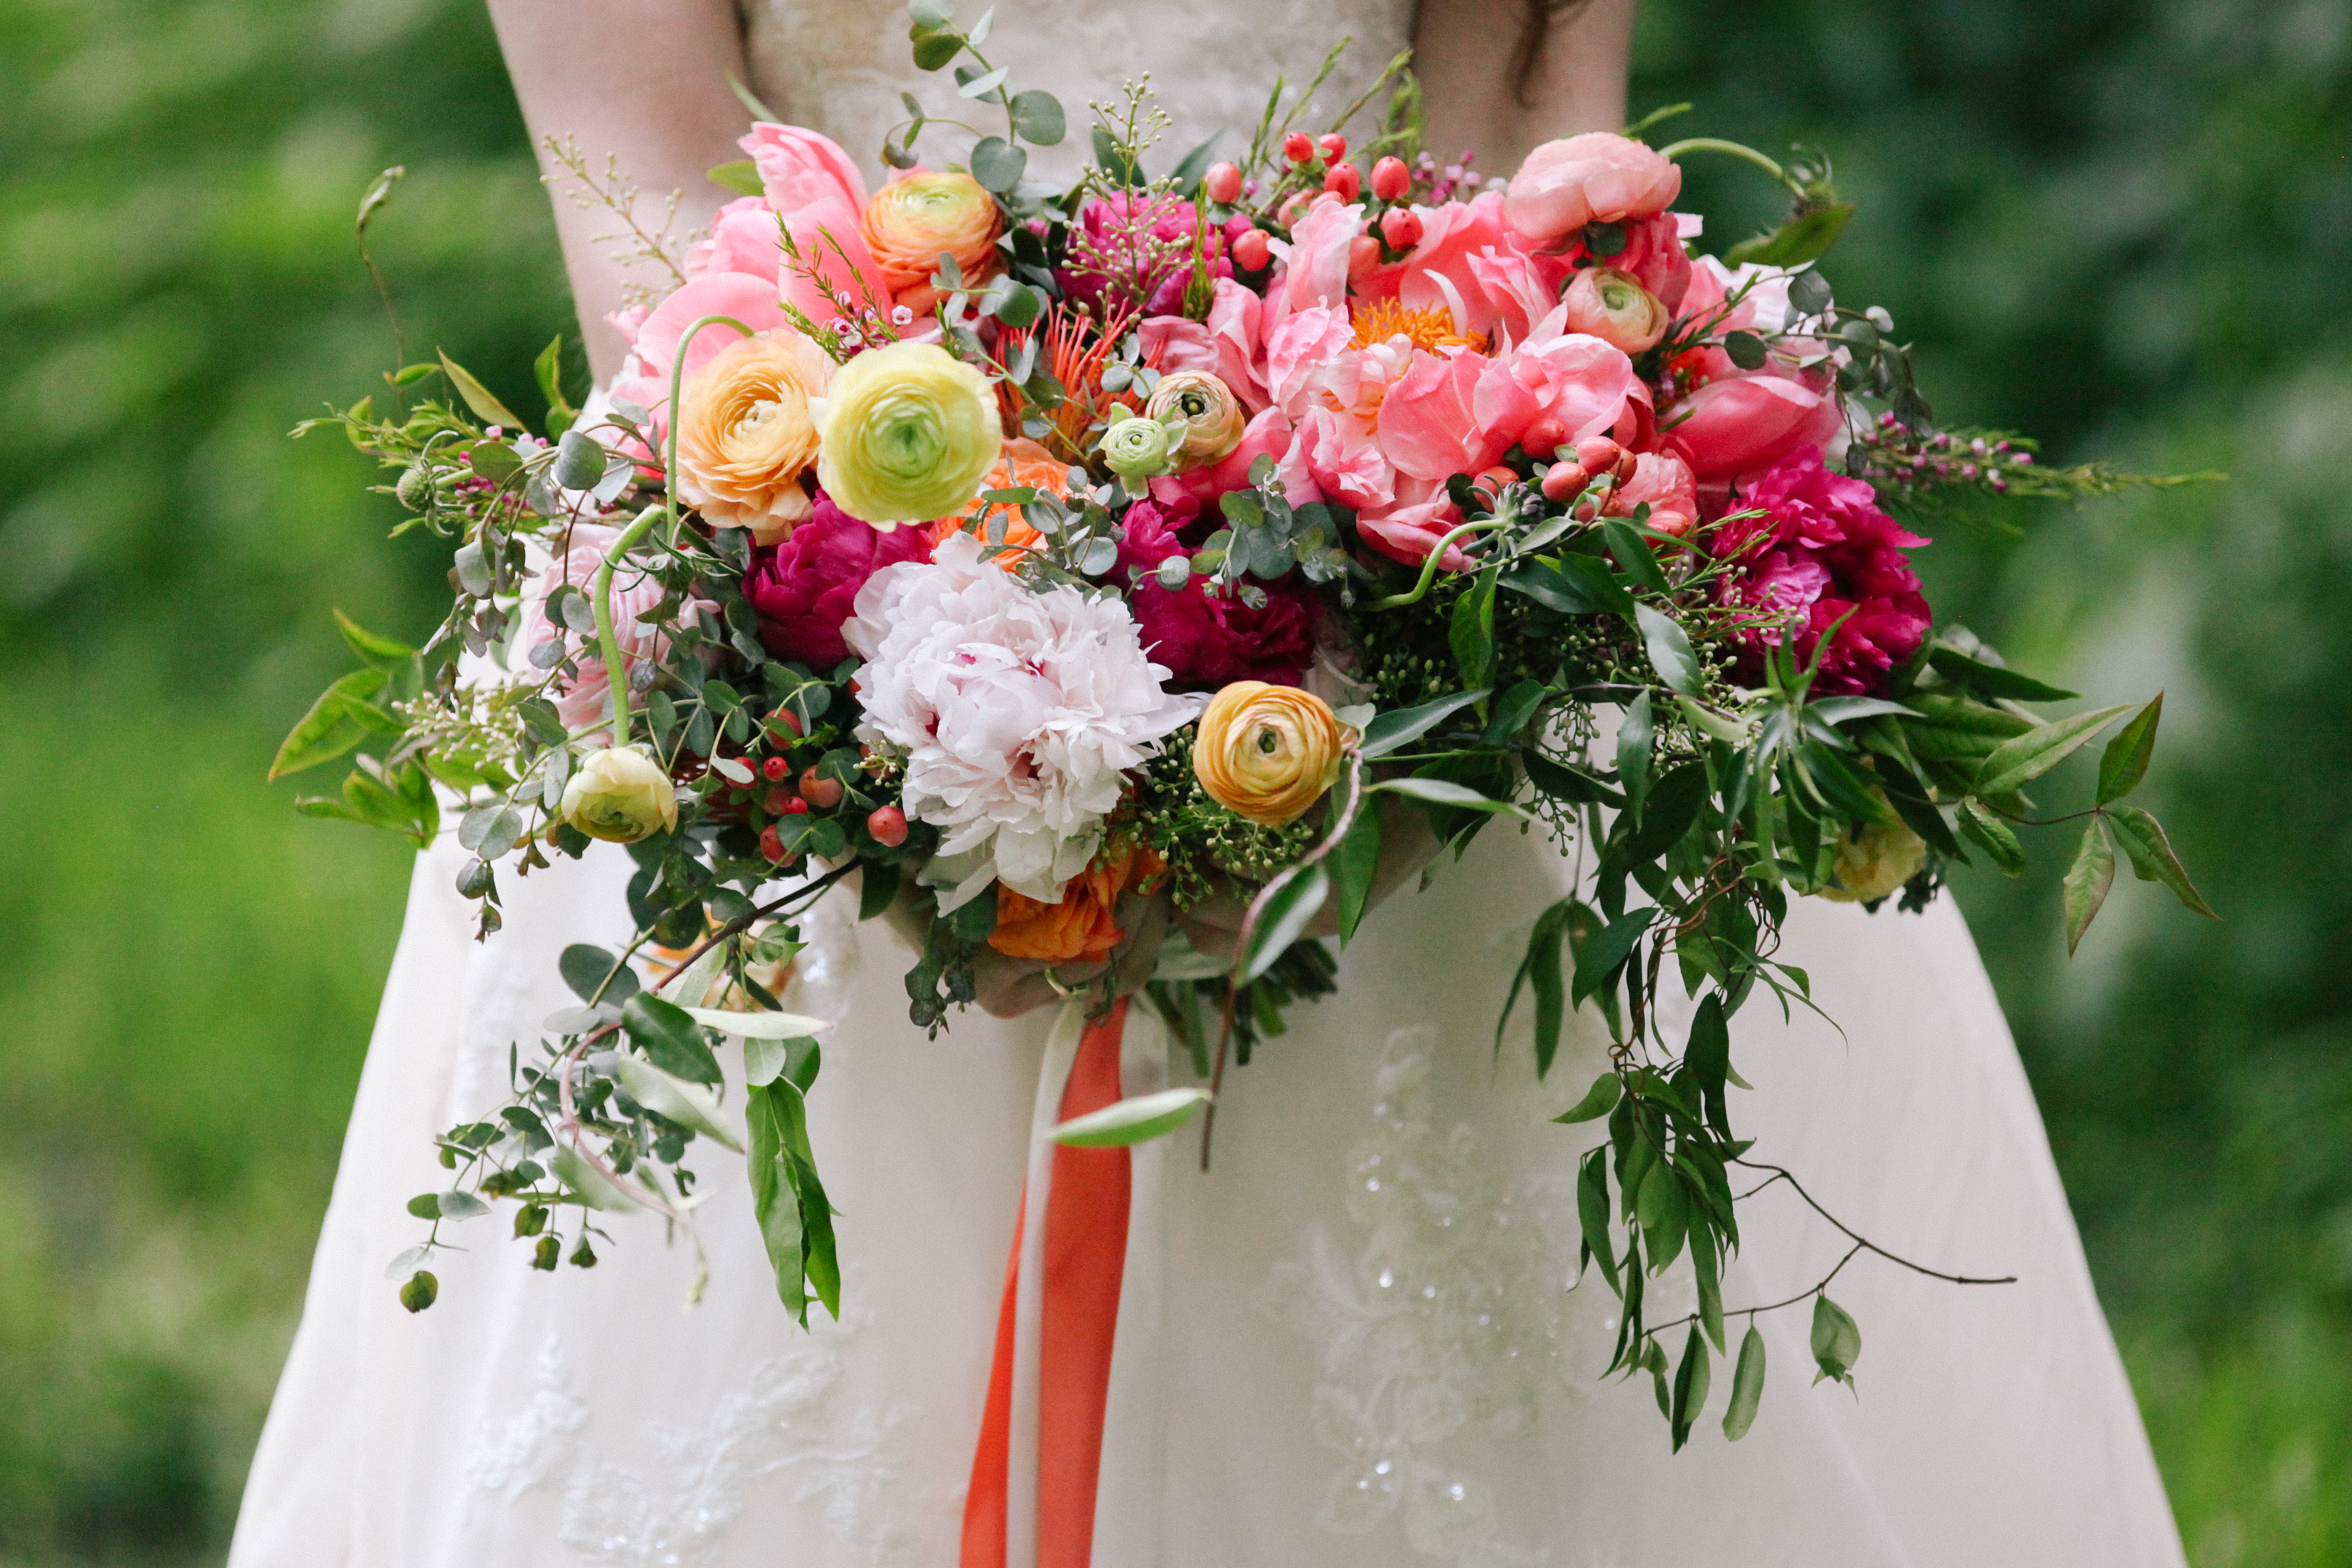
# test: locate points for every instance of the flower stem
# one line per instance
(1733, 149)
(1429, 565)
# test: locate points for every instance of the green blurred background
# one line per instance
(2123, 225)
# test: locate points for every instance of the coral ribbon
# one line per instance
(1085, 1258)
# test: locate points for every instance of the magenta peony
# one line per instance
(1126, 251)
(805, 587)
(1208, 641)
(1822, 555)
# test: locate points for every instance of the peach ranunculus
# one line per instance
(1084, 924)
(1613, 307)
(1210, 415)
(910, 221)
(746, 437)
(1024, 462)
(1598, 178)
(1268, 753)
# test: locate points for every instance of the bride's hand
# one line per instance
(1214, 925)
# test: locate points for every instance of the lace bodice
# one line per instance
(840, 67)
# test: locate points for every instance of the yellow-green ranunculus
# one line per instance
(620, 794)
(908, 433)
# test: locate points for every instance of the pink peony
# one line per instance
(1131, 251)
(803, 588)
(1598, 178)
(581, 701)
(1823, 553)
(1208, 640)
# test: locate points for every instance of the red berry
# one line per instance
(1299, 147)
(1344, 181)
(1363, 256)
(1564, 480)
(1224, 183)
(888, 825)
(795, 806)
(1400, 226)
(1544, 437)
(1597, 453)
(1390, 179)
(772, 845)
(819, 792)
(1250, 251)
(1333, 147)
(779, 800)
(776, 769)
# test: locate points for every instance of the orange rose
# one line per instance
(746, 437)
(910, 221)
(1025, 463)
(1084, 924)
(1267, 752)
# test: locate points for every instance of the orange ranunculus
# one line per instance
(1084, 924)
(911, 220)
(1268, 753)
(1024, 462)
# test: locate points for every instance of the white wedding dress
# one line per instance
(1356, 1342)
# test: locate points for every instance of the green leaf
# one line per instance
(1705, 1274)
(670, 1037)
(420, 1292)
(1747, 1386)
(1593, 576)
(1664, 1209)
(1690, 1387)
(1804, 237)
(1286, 913)
(591, 1185)
(487, 408)
(1981, 827)
(1354, 863)
(2021, 759)
(331, 727)
(936, 49)
(378, 652)
(2151, 855)
(1598, 957)
(742, 176)
(2087, 883)
(1541, 967)
(998, 165)
(687, 1104)
(1038, 116)
(1399, 727)
(584, 969)
(773, 1114)
(1513, 709)
(1635, 735)
(1994, 679)
(1837, 1340)
(1445, 791)
(2124, 762)
(1544, 582)
(1708, 1056)
(983, 84)
(1744, 349)
(931, 16)
(1472, 634)
(1592, 1212)
(1136, 1120)
(1670, 652)
(1562, 782)
(1598, 1101)
(755, 1025)
(1633, 554)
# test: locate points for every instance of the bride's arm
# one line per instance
(644, 81)
(1502, 75)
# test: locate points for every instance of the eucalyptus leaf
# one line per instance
(592, 1187)
(687, 1104)
(1136, 1120)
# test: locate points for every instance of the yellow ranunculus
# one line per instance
(620, 794)
(1874, 862)
(1267, 752)
(907, 434)
(1206, 408)
(746, 435)
(910, 221)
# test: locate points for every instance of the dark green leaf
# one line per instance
(487, 408)
(1472, 634)
(879, 887)
(2151, 855)
(1993, 680)
(1635, 735)
(1983, 828)
(1633, 554)
(670, 1038)
(420, 1292)
(1837, 1340)
(2124, 762)
(774, 1115)
(1599, 957)
(1747, 1386)
(2087, 883)
(936, 49)
(1670, 652)
(332, 727)
(1564, 782)
(1397, 728)
(1593, 576)
(1286, 913)
(1598, 1101)
(1353, 864)
(1805, 237)
(2021, 759)
(1547, 585)
(1513, 709)
(1592, 1212)
(584, 969)
(1709, 1058)
(1690, 1387)
(1744, 349)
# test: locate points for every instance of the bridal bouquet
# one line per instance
(1022, 551)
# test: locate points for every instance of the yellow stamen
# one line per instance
(1430, 328)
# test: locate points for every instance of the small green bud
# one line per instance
(420, 1292)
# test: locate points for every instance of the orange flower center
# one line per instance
(1430, 327)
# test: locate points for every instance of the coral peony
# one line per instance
(1209, 639)
(1822, 554)
(911, 220)
(1018, 713)
(906, 433)
(1128, 252)
(804, 588)
(1598, 178)
(746, 437)
(1024, 462)
(1084, 924)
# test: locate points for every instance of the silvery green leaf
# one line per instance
(687, 1104)
(1356, 715)
(1099, 556)
(632, 413)
(473, 569)
(690, 984)
(593, 1188)
(579, 461)
(1727, 730)
(762, 1060)
(1137, 1120)
(462, 1206)
(979, 29)
(406, 1262)
(1445, 791)
(1174, 572)
(756, 1025)
(580, 1020)
(982, 85)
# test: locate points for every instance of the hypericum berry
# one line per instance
(1250, 251)
(1390, 179)
(1363, 256)
(1333, 147)
(777, 769)
(778, 801)
(771, 845)
(817, 792)
(1544, 437)
(1299, 147)
(1564, 480)
(1597, 454)
(794, 807)
(784, 722)
(1490, 481)
(1400, 226)
(1344, 181)
(1224, 183)
(888, 825)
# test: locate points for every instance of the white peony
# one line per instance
(1018, 711)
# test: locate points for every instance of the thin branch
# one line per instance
(1779, 1173)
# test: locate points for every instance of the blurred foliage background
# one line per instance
(2122, 225)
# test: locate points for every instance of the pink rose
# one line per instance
(580, 700)
(804, 588)
(1208, 641)
(800, 168)
(1824, 554)
(1598, 178)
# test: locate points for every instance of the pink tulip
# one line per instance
(1740, 424)
(799, 168)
